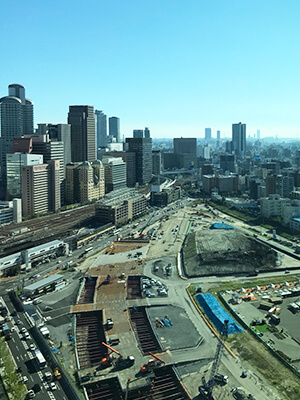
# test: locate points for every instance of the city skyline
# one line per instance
(201, 70)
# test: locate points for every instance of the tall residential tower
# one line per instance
(239, 139)
(101, 128)
(114, 128)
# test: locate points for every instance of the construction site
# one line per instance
(133, 342)
(132, 346)
(139, 333)
(111, 338)
(272, 313)
(223, 252)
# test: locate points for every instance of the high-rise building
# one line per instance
(207, 133)
(40, 188)
(22, 145)
(130, 159)
(147, 132)
(142, 147)
(18, 91)
(16, 119)
(285, 184)
(114, 172)
(138, 133)
(227, 162)
(51, 150)
(185, 145)
(55, 185)
(239, 139)
(204, 151)
(114, 128)
(14, 163)
(83, 133)
(185, 150)
(91, 181)
(258, 134)
(58, 133)
(218, 139)
(72, 185)
(270, 184)
(156, 162)
(84, 182)
(101, 128)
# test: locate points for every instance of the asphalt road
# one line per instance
(25, 359)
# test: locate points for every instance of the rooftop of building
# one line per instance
(119, 196)
(49, 245)
(43, 282)
(112, 160)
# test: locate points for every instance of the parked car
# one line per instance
(30, 394)
(149, 293)
(48, 376)
(52, 386)
(162, 292)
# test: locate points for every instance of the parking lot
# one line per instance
(282, 334)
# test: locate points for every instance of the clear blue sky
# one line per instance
(176, 66)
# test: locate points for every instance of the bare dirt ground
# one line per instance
(210, 252)
(131, 267)
(257, 357)
(121, 247)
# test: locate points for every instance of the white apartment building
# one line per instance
(14, 163)
(274, 205)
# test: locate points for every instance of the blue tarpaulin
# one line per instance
(167, 322)
(220, 225)
(216, 313)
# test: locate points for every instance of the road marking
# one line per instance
(17, 347)
(13, 340)
(31, 378)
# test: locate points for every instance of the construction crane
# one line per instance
(107, 360)
(207, 386)
(121, 362)
(151, 363)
